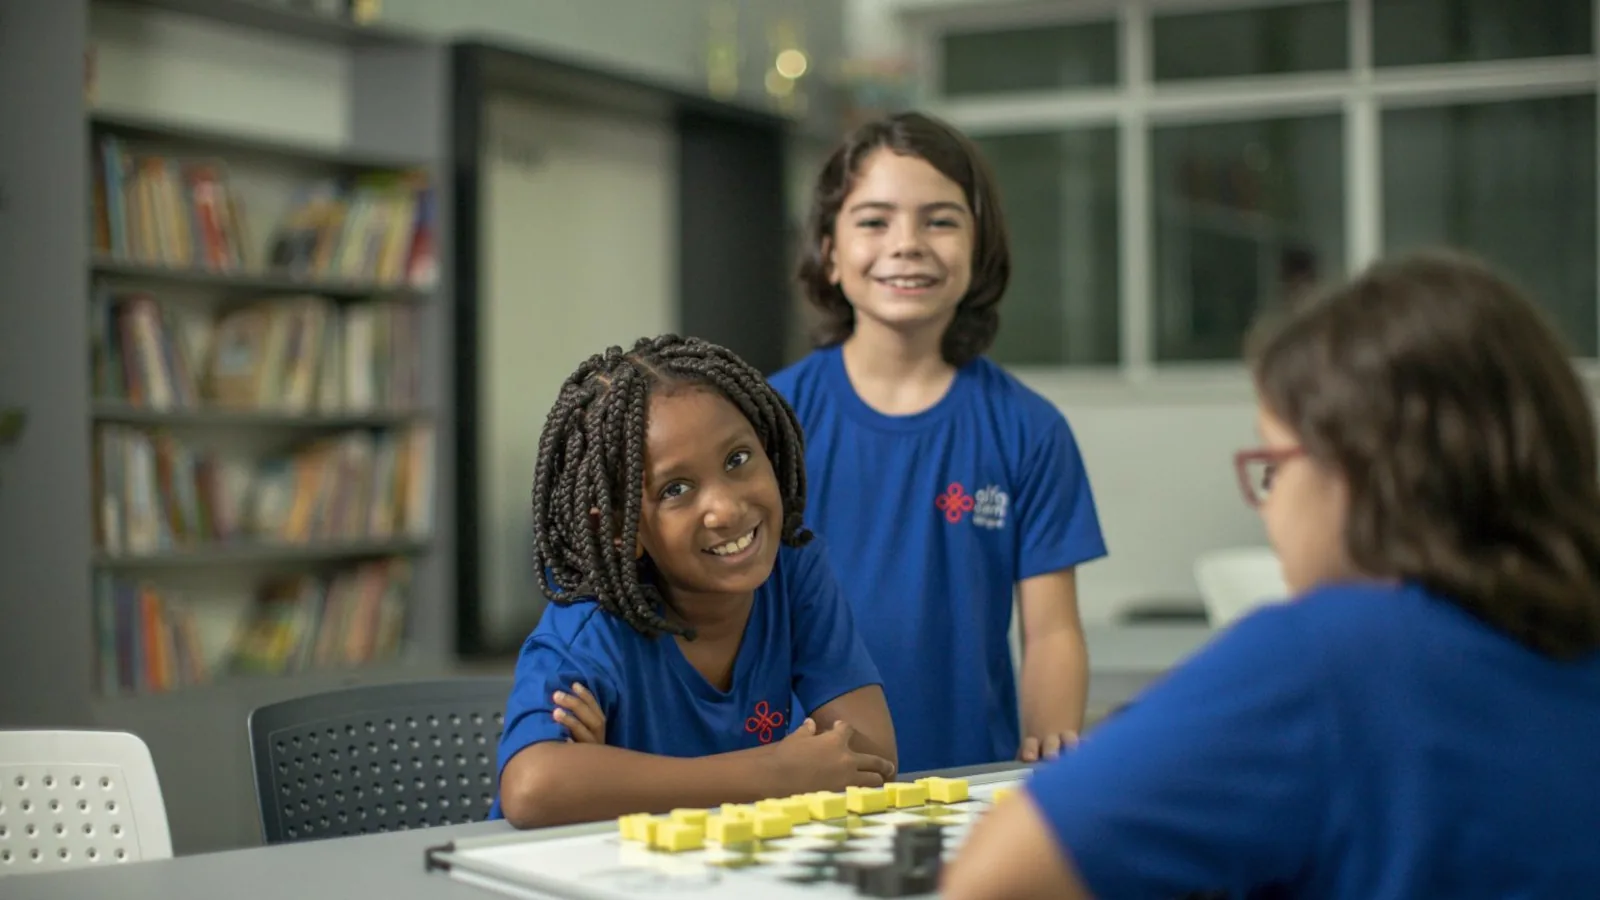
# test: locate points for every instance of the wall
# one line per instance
(180, 69)
(579, 254)
(1160, 458)
(661, 39)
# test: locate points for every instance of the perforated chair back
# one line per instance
(70, 799)
(380, 758)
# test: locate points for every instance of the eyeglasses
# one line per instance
(1257, 468)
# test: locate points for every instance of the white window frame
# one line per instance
(1361, 92)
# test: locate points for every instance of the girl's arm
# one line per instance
(866, 709)
(1054, 686)
(1058, 529)
(557, 783)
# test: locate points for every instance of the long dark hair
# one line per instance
(1452, 409)
(971, 333)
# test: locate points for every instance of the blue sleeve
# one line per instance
(1213, 780)
(1060, 526)
(546, 665)
(829, 659)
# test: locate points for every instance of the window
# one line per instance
(1500, 179)
(1273, 40)
(1171, 169)
(1030, 59)
(1245, 214)
(1423, 32)
(1058, 191)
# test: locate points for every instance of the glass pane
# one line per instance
(1059, 194)
(1082, 54)
(1513, 181)
(1268, 41)
(1421, 32)
(1246, 214)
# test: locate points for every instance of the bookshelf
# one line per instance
(246, 284)
(246, 421)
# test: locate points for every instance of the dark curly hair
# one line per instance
(588, 485)
(1451, 408)
(977, 318)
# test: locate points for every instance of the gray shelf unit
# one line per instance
(249, 284)
(124, 414)
(262, 553)
(398, 114)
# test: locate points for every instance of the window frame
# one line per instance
(1137, 104)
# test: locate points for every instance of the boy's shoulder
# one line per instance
(994, 388)
(998, 388)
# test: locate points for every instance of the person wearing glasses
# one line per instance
(1423, 720)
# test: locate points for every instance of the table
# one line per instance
(379, 866)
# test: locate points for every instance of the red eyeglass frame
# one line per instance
(1269, 455)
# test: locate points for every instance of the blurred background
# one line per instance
(287, 288)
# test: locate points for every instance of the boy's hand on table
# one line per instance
(1049, 746)
(580, 713)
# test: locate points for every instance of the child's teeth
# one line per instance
(734, 546)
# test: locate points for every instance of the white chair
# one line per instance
(1237, 580)
(78, 798)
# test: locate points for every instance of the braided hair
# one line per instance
(591, 469)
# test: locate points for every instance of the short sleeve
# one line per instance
(1060, 525)
(546, 665)
(1213, 780)
(829, 658)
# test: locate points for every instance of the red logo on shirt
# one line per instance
(955, 501)
(763, 722)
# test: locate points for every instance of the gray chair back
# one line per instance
(379, 758)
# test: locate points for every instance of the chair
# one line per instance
(70, 799)
(377, 758)
(1237, 580)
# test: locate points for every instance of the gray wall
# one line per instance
(661, 39)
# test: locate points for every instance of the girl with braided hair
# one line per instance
(688, 605)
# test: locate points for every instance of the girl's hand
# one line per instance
(811, 761)
(580, 712)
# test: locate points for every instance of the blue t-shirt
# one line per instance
(800, 641)
(931, 521)
(1364, 742)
